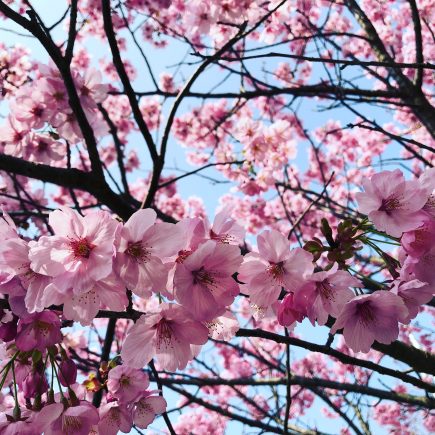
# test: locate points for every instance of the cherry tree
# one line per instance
(303, 305)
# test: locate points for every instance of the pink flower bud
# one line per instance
(35, 383)
(67, 372)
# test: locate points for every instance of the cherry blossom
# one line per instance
(75, 420)
(203, 282)
(167, 334)
(326, 293)
(146, 409)
(142, 246)
(38, 331)
(393, 204)
(114, 418)
(309, 125)
(126, 383)
(273, 268)
(367, 318)
(80, 254)
(33, 422)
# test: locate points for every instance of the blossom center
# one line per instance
(42, 328)
(81, 247)
(115, 415)
(366, 313)
(390, 204)
(276, 271)
(42, 146)
(138, 251)
(85, 91)
(124, 381)
(223, 238)
(37, 111)
(182, 255)
(70, 422)
(164, 333)
(430, 203)
(144, 408)
(203, 276)
(58, 96)
(326, 290)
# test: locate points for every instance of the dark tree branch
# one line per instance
(70, 178)
(105, 355)
(119, 148)
(322, 90)
(345, 62)
(125, 80)
(233, 416)
(72, 33)
(413, 95)
(419, 59)
(418, 359)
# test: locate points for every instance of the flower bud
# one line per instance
(34, 384)
(8, 325)
(67, 372)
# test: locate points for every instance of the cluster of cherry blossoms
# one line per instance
(88, 263)
(196, 269)
(40, 115)
(38, 409)
(176, 290)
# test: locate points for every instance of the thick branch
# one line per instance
(415, 358)
(70, 178)
(105, 354)
(125, 80)
(322, 90)
(314, 382)
(236, 417)
(413, 95)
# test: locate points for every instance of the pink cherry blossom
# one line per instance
(420, 240)
(223, 327)
(107, 293)
(167, 334)
(414, 294)
(14, 258)
(91, 88)
(12, 134)
(288, 312)
(30, 109)
(38, 331)
(393, 204)
(42, 148)
(367, 318)
(79, 254)
(274, 267)
(35, 383)
(427, 182)
(203, 282)
(126, 383)
(141, 247)
(8, 325)
(32, 423)
(67, 372)
(146, 409)
(75, 420)
(326, 293)
(114, 418)
(422, 267)
(166, 82)
(225, 229)
(248, 139)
